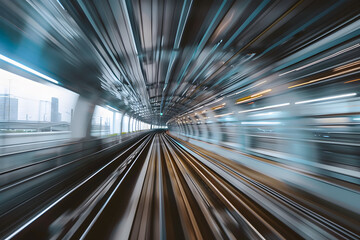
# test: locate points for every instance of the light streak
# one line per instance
(268, 107)
(327, 98)
(17, 64)
(260, 123)
(323, 78)
(223, 115)
(262, 92)
(323, 59)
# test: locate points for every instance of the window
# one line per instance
(125, 124)
(29, 106)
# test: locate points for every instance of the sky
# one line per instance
(31, 93)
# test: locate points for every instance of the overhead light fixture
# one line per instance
(323, 78)
(248, 88)
(60, 4)
(260, 93)
(327, 98)
(217, 100)
(264, 114)
(323, 59)
(112, 108)
(260, 123)
(17, 64)
(247, 99)
(219, 106)
(268, 107)
(223, 115)
(347, 65)
(354, 80)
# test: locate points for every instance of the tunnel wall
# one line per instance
(304, 143)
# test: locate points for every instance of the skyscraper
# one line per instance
(8, 108)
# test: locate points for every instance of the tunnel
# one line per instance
(179, 119)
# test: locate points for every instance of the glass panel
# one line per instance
(29, 106)
(102, 122)
(125, 125)
(117, 122)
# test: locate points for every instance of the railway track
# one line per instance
(313, 225)
(163, 188)
(25, 201)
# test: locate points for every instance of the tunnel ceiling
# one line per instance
(160, 58)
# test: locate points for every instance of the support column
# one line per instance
(81, 121)
(214, 127)
(202, 127)
(113, 125)
(196, 131)
(121, 124)
(134, 124)
(130, 119)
